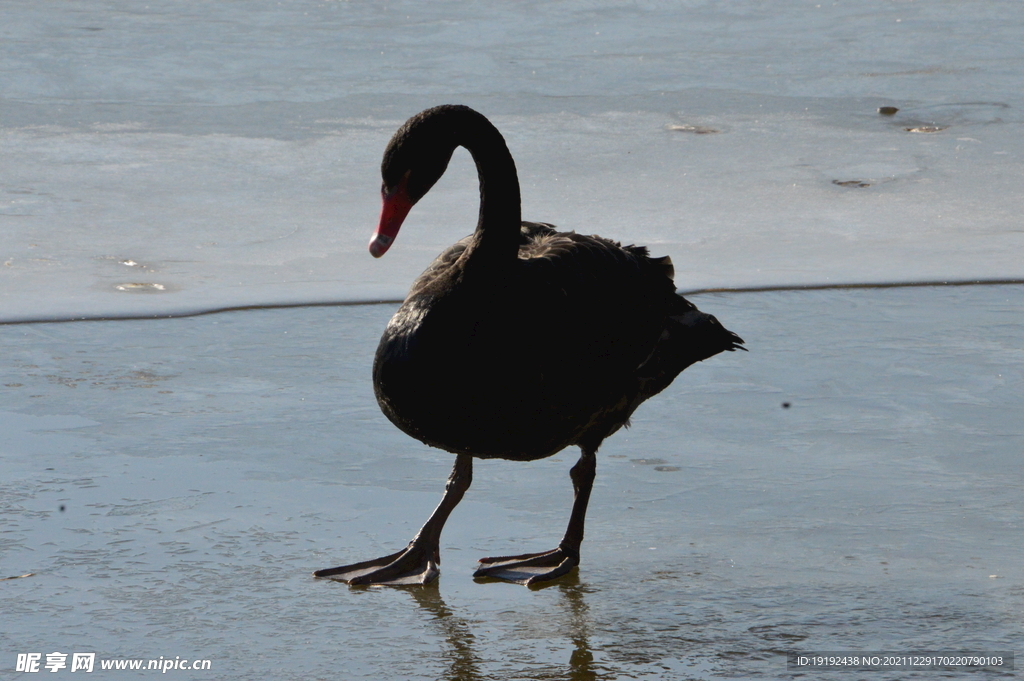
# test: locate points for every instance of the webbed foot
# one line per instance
(411, 565)
(418, 562)
(529, 568)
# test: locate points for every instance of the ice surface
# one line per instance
(207, 465)
(179, 157)
(175, 157)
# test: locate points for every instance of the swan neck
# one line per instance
(500, 210)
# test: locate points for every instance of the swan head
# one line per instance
(414, 160)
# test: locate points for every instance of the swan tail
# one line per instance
(689, 336)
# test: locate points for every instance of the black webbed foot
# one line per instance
(529, 568)
(411, 565)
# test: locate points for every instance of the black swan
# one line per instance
(517, 341)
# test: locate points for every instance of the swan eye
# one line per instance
(386, 191)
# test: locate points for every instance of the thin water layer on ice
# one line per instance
(175, 157)
(169, 158)
(207, 465)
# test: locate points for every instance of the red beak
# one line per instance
(397, 205)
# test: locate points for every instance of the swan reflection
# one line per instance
(464, 662)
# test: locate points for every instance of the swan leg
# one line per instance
(530, 568)
(418, 562)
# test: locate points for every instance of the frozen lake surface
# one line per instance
(207, 465)
(175, 158)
